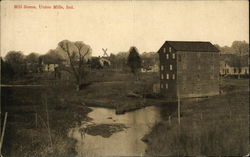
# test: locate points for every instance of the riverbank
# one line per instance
(214, 126)
(28, 132)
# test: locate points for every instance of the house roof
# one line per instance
(194, 46)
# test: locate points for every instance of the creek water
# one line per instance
(124, 143)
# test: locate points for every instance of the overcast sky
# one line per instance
(119, 25)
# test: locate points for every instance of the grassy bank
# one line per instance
(214, 126)
(27, 132)
(113, 90)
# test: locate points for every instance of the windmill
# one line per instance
(105, 52)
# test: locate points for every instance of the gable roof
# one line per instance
(194, 46)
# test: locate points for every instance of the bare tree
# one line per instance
(77, 53)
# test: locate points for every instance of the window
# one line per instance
(167, 56)
(235, 70)
(164, 50)
(162, 67)
(179, 58)
(239, 70)
(167, 76)
(173, 55)
(161, 86)
(170, 49)
(170, 67)
(198, 77)
(166, 86)
(162, 76)
(173, 76)
(245, 71)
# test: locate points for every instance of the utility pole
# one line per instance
(2, 135)
(179, 105)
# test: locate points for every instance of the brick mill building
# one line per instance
(188, 68)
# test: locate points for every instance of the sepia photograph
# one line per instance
(134, 78)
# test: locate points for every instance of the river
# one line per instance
(124, 143)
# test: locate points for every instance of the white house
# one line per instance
(231, 68)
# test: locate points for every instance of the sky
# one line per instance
(118, 25)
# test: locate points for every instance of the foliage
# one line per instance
(118, 61)
(14, 57)
(240, 47)
(149, 59)
(32, 58)
(16, 60)
(7, 72)
(52, 57)
(134, 60)
(237, 48)
(77, 54)
(95, 63)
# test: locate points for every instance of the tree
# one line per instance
(149, 59)
(32, 58)
(241, 48)
(16, 60)
(134, 61)
(7, 72)
(121, 59)
(52, 57)
(32, 61)
(77, 53)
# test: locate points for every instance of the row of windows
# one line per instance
(167, 56)
(167, 76)
(184, 66)
(170, 67)
(166, 85)
(169, 49)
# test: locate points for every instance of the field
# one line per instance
(39, 118)
(214, 126)
(28, 132)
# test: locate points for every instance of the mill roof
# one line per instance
(194, 46)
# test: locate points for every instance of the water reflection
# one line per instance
(124, 143)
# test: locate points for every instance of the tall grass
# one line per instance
(222, 130)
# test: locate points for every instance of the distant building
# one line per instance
(188, 68)
(99, 62)
(232, 65)
(48, 65)
(153, 68)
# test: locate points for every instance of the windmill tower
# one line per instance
(105, 54)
